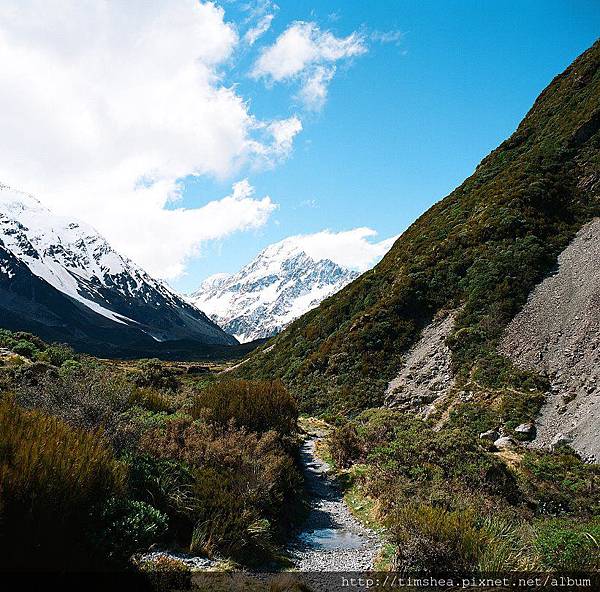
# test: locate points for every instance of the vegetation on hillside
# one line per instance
(482, 248)
(450, 502)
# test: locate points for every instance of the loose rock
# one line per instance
(491, 435)
(331, 539)
(504, 442)
(527, 430)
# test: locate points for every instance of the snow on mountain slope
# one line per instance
(278, 286)
(76, 261)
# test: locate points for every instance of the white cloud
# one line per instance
(165, 239)
(104, 106)
(314, 90)
(305, 53)
(262, 26)
(260, 16)
(393, 36)
(283, 133)
(350, 248)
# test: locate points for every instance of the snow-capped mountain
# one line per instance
(62, 280)
(278, 286)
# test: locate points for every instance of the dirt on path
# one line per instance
(331, 539)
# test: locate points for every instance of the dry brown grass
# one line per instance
(51, 477)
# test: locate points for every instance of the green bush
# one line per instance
(226, 523)
(167, 485)
(155, 374)
(25, 349)
(129, 526)
(565, 545)
(57, 354)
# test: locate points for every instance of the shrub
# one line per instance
(51, 478)
(569, 546)
(69, 366)
(155, 374)
(167, 485)
(129, 526)
(225, 518)
(560, 482)
(151, 399)
(37, 342)
(345, 445)
(410, 455)
(88, 397)
(57, 354)
(25, 349)
(257, 405)
(238, 479)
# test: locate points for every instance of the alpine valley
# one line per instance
(438, 414)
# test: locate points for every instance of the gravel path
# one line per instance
(331, 539)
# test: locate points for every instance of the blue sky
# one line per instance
(192, 133)
(403, 124)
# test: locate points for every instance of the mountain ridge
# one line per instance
(482, 248)
(62, 279)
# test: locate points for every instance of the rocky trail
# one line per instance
(331, 539)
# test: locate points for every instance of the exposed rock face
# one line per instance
(558, 334)
(425, 374)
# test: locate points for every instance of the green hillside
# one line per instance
(483, 248)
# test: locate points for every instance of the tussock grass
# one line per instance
(258, 405)
(52, 476)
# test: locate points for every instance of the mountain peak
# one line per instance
(280, 284)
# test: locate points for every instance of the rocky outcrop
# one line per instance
(558, 335)
(425, 374)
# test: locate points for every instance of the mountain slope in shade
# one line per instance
(278, 286)
(61, 279)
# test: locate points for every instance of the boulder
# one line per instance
(559, 440)
(504, 442)
(527, 430)
(491, 435)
